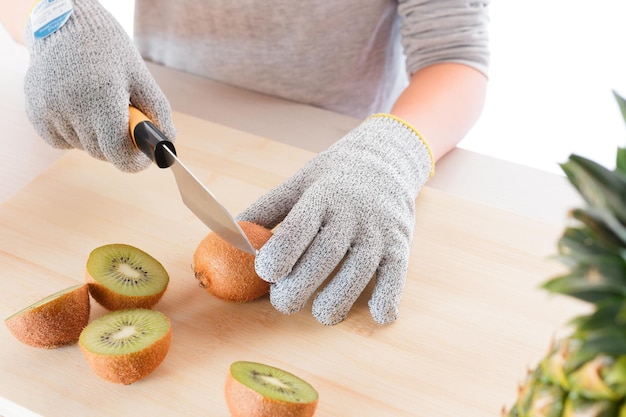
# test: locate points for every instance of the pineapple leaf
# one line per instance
(564, 287)
(602, 331)
(592, 279)
(605, 227)
(580, 243)
(599, 186)
(610, 342)
(621, 103)
(620, 164)
(608, 314)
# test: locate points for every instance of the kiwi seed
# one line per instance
(122, 276)
(125, 346)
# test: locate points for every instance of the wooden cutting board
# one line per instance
(471, 320)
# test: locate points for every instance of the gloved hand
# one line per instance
(355, 200)
(80, 82)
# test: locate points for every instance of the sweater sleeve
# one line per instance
(435, 31)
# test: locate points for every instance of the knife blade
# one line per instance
(152, 142)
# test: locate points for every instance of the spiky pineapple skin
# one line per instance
(561, 387)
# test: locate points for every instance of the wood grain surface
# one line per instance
(472, 318)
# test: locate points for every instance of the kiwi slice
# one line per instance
(125, 346)
(122, 276)
(254, 390)
(53, 321)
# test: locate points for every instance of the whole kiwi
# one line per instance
(227, 272)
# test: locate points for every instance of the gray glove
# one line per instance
(352, 204)
(80, 82)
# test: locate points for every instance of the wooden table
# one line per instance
(471, 319)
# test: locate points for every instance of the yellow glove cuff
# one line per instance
(418, 134)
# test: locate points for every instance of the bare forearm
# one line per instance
(443, 102)
(13, 15)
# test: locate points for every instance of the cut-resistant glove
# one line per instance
(353, 205)
(80, 82)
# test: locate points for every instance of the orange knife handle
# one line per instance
(148, 139)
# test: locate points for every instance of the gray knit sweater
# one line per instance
(351, 56)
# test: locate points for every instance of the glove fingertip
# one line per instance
(383, 314)
(385, 300)
(266, 264)
(284, 302)
(384, 304)
(327, 316)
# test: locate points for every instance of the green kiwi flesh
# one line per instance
(273, 383)
(124, 331)
(123, 276)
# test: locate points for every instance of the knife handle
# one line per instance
(148, 139)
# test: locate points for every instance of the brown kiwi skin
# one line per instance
(54, 324)
(243, 401)
(227, 272)
(112, 300)
(131, 367)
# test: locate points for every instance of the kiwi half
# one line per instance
(255, 390)
(122, 276)
(53, 321)
(125, 346)
(227, 272)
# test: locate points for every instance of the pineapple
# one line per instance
(584, 373)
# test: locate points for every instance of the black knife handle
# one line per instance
(150, 140)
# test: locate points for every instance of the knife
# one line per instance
(151, 141)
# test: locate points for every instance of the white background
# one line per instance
(554, 65)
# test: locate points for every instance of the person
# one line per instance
(415, 71)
